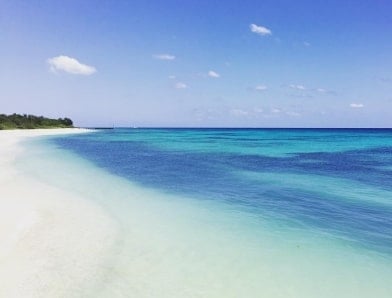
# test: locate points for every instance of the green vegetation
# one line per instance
(17, 121)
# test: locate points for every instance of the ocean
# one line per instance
(234, 212)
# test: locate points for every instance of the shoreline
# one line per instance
(53, 242)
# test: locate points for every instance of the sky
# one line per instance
(199, 63)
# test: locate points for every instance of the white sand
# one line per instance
(52, 243)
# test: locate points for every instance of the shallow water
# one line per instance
(234, 213)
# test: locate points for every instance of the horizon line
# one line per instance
(221, 127)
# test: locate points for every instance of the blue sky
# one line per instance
(199, 63)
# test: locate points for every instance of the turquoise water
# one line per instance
(235, 212)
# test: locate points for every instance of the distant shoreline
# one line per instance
(28, 121)
(242, 128)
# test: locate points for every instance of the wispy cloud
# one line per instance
(70, 65)
(297, 87)
(276, 110)
(306, 44)
(356, 105)
(306, 92)
(261, 88)
(180, 85)
(239, 112)
(293, 114)
(384, 79)
(258, 110)
(164, 57)
(213, 74)
(171, 77)
(202, 114)
(260, 30)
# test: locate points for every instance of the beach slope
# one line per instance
(53, 243)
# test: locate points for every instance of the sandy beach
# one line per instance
(51, 241)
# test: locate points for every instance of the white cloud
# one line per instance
(180, 85)
(172, 77)
(294, 114)
(260, 30)
(298, 87)
(213, 74)
(261, 88)
(258, 110)
(70, 65)
(276, 110)
(164, 57)
(238, 112)
(321, 90)
(203, 114)
(356, 105)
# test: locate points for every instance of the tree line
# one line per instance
(25, 121)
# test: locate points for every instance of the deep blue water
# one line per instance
(335, 181)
